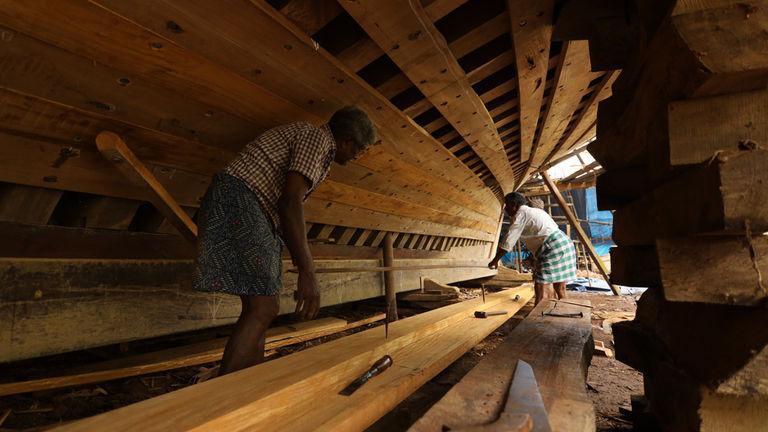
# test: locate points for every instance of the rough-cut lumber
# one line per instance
(701, 128)
(531, 28)
(636, 266)
(116, 151)
(617, 188)
(284, 394)
(724, 196)
(48, 306)
(404, 31)
(687, 334)
(710, 269)
(574, 221)
(478, 398)
(689, 51)
(188, 355)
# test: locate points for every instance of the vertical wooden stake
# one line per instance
(519, 257)
(579, 231)
(388, 251)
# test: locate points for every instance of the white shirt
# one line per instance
(533, 225)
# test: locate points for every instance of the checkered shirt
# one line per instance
(264, 163)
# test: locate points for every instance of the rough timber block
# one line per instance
(727, 195)
(635, 266)
(688, 57)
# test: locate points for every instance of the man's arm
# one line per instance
(513, 235)
(290, 208)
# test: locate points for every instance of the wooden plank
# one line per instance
(617, 188)
(571, 83)
(722, 197)
(531, 24)
(701, 128)
(573, 220)
(427, 61)
(27, 204)
(639, 135)
(49, 305)
(437, 9)
(34, 117)
(724, 270)
(42, 70)
(480, 35)
(225, 33)
(91, 211)
(88, 172)
(116, 151)
(108, 38)
(360, 54)
(185, 356)
(480, 395)
(426, 342)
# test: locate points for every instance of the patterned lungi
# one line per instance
(238, 248)
(556, 259)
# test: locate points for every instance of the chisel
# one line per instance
(380, 366)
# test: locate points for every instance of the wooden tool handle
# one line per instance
(381, 365)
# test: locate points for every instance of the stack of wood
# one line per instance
(683, 140)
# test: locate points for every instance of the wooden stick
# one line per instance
(116, 151)
(190, 355)
(579, 231)
(386, 269)
(388, 260)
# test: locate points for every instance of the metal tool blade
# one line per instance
(525, 398)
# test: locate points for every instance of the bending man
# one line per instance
(554, 253)
(253, 204)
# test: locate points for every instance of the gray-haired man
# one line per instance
(253, 203)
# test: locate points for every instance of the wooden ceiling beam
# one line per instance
(404, 31)
(360, 54)
(587, 117)
(437, 9)
(481, 35)
(531, 26)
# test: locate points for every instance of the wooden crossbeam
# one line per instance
(531, 27)
(574, 221)
(406, 33)
(117, 152)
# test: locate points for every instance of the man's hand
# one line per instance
(493, 264)
(307, 296)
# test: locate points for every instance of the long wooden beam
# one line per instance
(406, 33)
(283, 394)
(189, 355)
(531, 36)
(117, 152)
(574, 221)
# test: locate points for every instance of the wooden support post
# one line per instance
(116, 151)
(519, 258)
(579, 231)
(388, 252)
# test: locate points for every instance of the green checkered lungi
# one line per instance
(556, 259)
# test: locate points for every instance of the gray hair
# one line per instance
(353, 123)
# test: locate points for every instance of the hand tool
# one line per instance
(524, 408)
(551, 312)
(486, 314)
(571, 303)
(380, 366)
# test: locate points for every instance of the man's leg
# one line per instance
(559, 290)
(542, 291)
(245, 346)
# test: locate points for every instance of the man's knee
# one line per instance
(261, 308)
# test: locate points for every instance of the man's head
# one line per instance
(353, 131)
(512, 203)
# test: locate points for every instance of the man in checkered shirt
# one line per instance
(256, 202)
